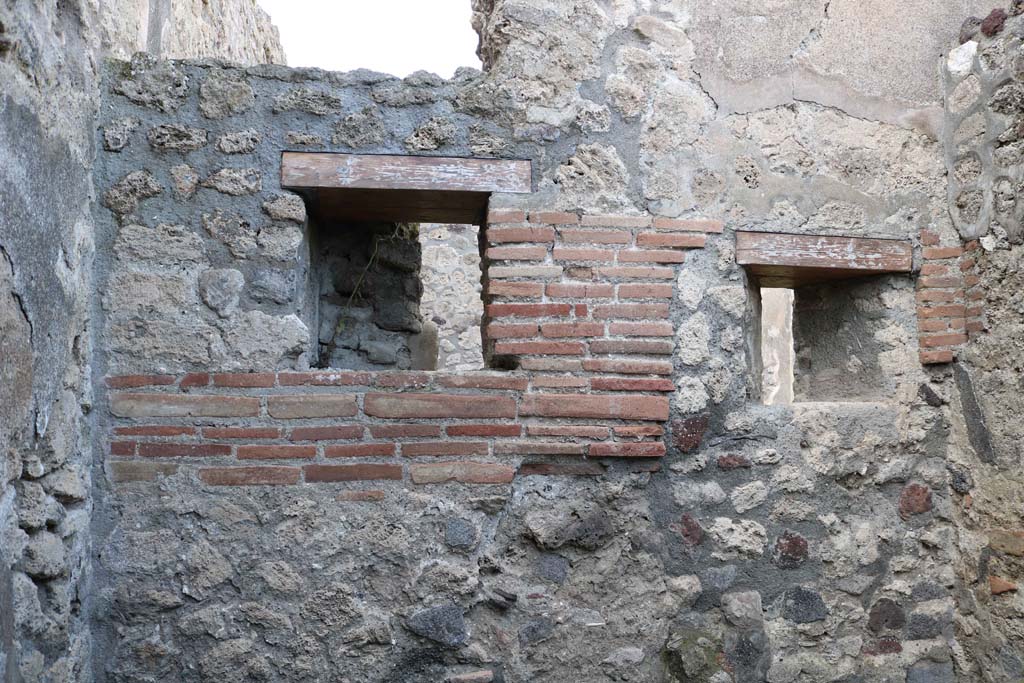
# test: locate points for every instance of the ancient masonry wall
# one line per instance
(983, 141)
(49, 55)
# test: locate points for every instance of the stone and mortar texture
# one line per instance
(50, 54)
(253, 520)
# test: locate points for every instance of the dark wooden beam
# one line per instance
(327, 206)
(788, 260)
(312, 170)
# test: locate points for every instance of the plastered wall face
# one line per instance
(782, 543)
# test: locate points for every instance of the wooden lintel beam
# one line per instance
(312, 170)
(819, 254)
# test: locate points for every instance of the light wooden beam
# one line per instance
(311, 170)
(788, 260)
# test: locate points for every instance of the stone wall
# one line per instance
(982, 144)
(49, 53)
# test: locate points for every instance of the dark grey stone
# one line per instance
(803, 606)
(923, 627)
(977, 430)
(886, 614)
(445, 624)
(460, 534)
(553, 567)
(931, 672)
(536, 631)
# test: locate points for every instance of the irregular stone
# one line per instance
(286, 207)
(690, 530)
(302, 139)
(307, 100)
(961, 60)
(360, 129)
(223, 94)
(185, 181)
(588, 531)
(790, 550)
(433, 134)
(35, 508)
(743, 536)
(733, 461)
(915, 499)
(418, 88)
(484, 143)
(277, 286)
(994, 22)
(594, 178)
(118, 133)
(235, 232)
(208, 568)
(241, 142)
(693, 338)
(923, 627)
(220, 289)
(998, 585)
(153, 83)
(688, 433)
(748, 496)
(257, 341)
(803, 606)
(460, 534)
(691, 395)
(280, 576)
(444, 625)
(886, 614)
(44, 556)
(279, 241)
(692, 655)
(687, 587)
(931, 672)
(124, 197)
(235, 181)
(68, 484)
(552, 567)
(969, 29)
(743, 610)
(536, 631)
(1007, 541)
(172, 137)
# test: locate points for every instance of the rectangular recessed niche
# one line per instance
(825, 314)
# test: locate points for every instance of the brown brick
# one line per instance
(558, 330)
(511, 330)
(164, 449)
(652, 256)
(506, 216)
(462, 472)
(122, 448)
(155, 430)
(527, 310)
(133, 381)
(942, 252)
(570, 254)
(484, 430)
(332, 433)
(571, 431)
(550, 364)
(176, 405)
(971, 280)
(558, 381)
(939, 281)
(571, 469)
(539, 348)
(636, 273)
(628, 367)
(949, 311)
(359, 450)
(528, 271)
(660, 329)
(934, 269)
(360, 497)
(554, 217)
(248, 379)
(521, 234)
(426, 406)
(935, 357)
(406, 431)
(275, 452)
(538, 448)
(638, 431)
(645, 291)
(933, 324)
(937, 295)
(679, 240)
(631, 311)
(965, 265)
(359, 472)
(580, 290)
(249, 476)
(532, 253)
(241, 433)
(481, 381)
(595, 236)
(403, 380)
(195, 379)
(621, 384)
(601, 407)
(327, 378)
(616, 221)
(933, 340)
(618, 449)
(122, 472)
(311, 405)
(976, 326)
(647, 348)
(929, 238)
(441, 448)
(523, 289)
(688, 225)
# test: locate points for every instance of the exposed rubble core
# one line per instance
(245, 443)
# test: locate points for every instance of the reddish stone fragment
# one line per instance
(915, 499)
(994, 22)
(733, 461)
(999, 585)
(690, 530)
(790, 550)
(689, 432)
(884, 646)
(249, 476)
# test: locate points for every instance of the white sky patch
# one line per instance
(392, 36)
